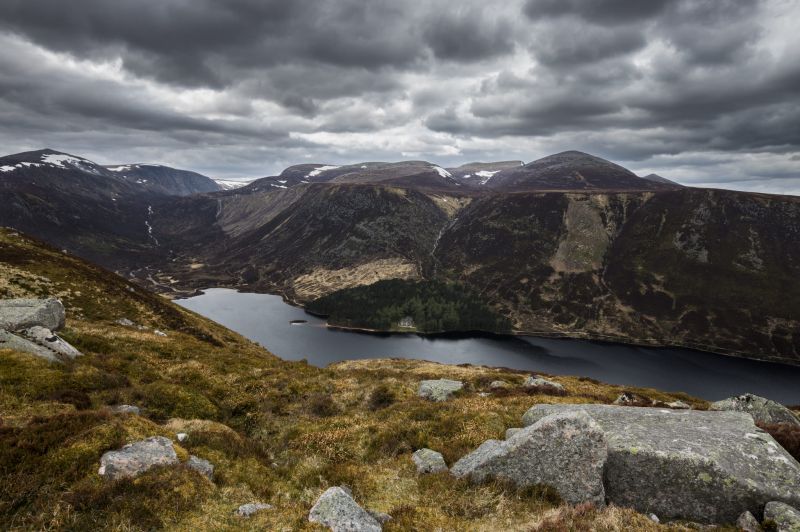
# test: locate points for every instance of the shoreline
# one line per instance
(555, 335)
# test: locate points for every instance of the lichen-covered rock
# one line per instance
(566, 451)
(535, 381)
(428, 461)
(17, 314)
(48, 339)
(17, 343)
(498, 385)
(688, 464)
(204, 467)
(439, 389)
(182, 436)
(748, 523)
(246, 510)
(786, 518)
(337, 510)
(763, 410)
(513, 430)
(136, 458)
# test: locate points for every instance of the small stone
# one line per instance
(125, 322)
(159, 333)
(246, 510)
(428, 461)
(498, 385)
(748, 523)
(338, 511)
(679, 405)
(786, 517)
(182, 436)
(535, 381)
(136, 458)
(654, 518)
(484, 394)
(204, 467)
(126, 409)
(761, 409)
(439, 389)
(631, 399)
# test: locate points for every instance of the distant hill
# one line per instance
(166, 180)
(570, 244)
(655, 178)
(571, 170)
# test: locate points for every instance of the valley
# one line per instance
(569, 245)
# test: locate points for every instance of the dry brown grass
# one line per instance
(266, 424)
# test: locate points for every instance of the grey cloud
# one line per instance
(602, 11)
(469, 35)
(241, 87)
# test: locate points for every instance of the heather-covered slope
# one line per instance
(277, 432)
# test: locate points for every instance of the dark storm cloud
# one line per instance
(603, 11)
(245, 86)
(468, 36)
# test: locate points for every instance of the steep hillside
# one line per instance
(166, 180)
(77, 205)
(715, 270)
(277, 432)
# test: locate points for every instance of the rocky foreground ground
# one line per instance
(167, 420)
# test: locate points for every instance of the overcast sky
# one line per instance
(703, 92)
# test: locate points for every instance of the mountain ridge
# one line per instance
(668, 265)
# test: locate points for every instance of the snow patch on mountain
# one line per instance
(318, 170)
(442, 172)
(230, 184)
(486, 175)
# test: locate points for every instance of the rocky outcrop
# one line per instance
(46, 338)
(566, 451)
(439, 389)
(688, 464)
(204, 467)
(763, 410)
(246, 510)
(17, 343)
(27, 325)
(136, 458)
(18, 314)
(785, 517)
(337, 510)
(428, 461)
(748, 523)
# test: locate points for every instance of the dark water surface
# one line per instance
(266, 319)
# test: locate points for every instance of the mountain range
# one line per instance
(567, 245)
